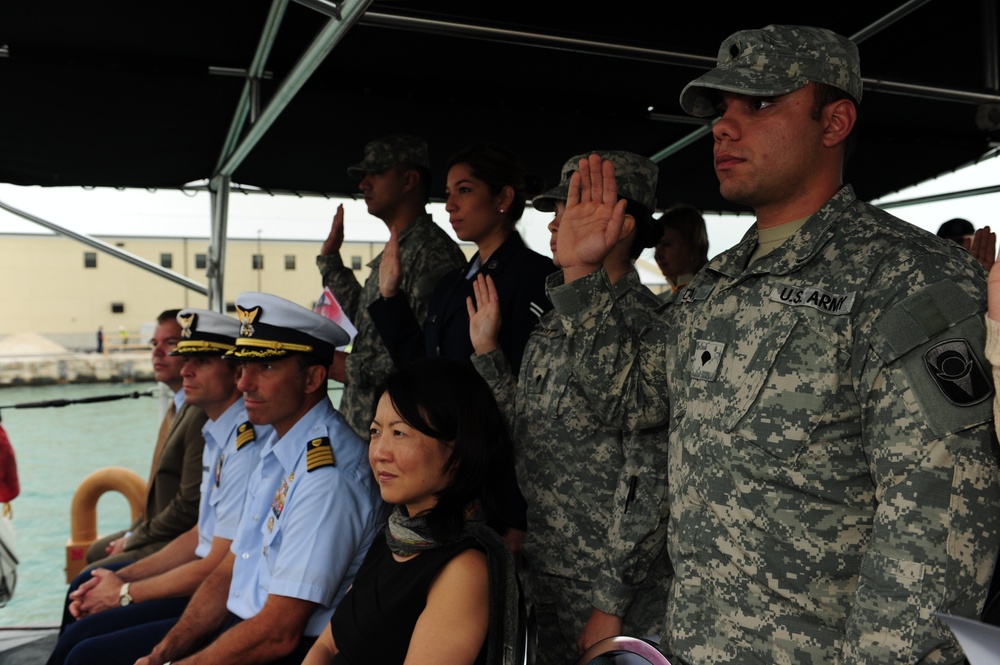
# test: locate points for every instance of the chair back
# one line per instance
(605, 650)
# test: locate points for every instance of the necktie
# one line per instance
(161, 439)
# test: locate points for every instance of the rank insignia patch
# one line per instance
(319, 453)
(245, 434)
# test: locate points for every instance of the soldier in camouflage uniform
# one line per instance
(832, 461)
(594, 563)
(395, 179)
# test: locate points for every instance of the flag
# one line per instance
(328, 306)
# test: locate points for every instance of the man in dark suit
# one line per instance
(174, 488)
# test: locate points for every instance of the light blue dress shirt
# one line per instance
(225, 473)
(303, 534)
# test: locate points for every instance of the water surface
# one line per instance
(56, 448)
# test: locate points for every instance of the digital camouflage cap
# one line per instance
(773, 61)
(389, 151)
(636, 176)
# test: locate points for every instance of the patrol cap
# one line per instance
(636, 177)
(776, 60)
(273, 328)
(204, 332)
(390, 150)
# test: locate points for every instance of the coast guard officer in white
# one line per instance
(312, 507)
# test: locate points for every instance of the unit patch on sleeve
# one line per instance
(319, 453)
(957, 372)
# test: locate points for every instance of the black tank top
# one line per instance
(373, 623)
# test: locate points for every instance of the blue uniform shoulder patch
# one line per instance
(319, 453)
(245, 434)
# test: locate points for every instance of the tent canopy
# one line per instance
(139, 94)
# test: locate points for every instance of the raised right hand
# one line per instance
(390, 270)
(484, 315)
(335, 240)
(984, 247)
(593, 221)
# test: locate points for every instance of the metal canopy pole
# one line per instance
(321, 46)
(233, 155)
(256, 70)
(216, 268)
(218, 186)
(110, 249)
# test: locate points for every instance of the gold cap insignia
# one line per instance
(187, 322)
(247, 318)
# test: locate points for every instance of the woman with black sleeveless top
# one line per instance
(439, 588)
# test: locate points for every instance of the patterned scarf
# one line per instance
(407, 535)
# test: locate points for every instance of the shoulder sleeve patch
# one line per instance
(245, 434)
(319, 453)
(936, 340)
(957, 372)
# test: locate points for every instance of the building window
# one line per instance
(230, 307)
(355, 263)
(167, 260)
(90, 259)
(200, 261)
(258, 262)
(289, 262)
(119, 244)
(117, 308)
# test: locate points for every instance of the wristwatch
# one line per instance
(124, 597)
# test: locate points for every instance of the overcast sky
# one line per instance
(173, 213)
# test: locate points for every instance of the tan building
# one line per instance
(65, 290)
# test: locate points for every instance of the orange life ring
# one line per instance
(83, 512)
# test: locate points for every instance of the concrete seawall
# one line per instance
(75, 368)
(29, 359)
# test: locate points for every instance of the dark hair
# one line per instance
(824, 94)
(307, 360)
(648, 231)
(425, 179)
(688, 221)
(499, 167)
(955, 228)
(168, 315)
(450, 402)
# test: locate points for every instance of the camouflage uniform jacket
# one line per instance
(576, 472)
(832, 462)
(426, 253)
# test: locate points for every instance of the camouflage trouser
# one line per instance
(561, 607)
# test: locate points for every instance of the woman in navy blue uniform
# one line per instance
(487, 190)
